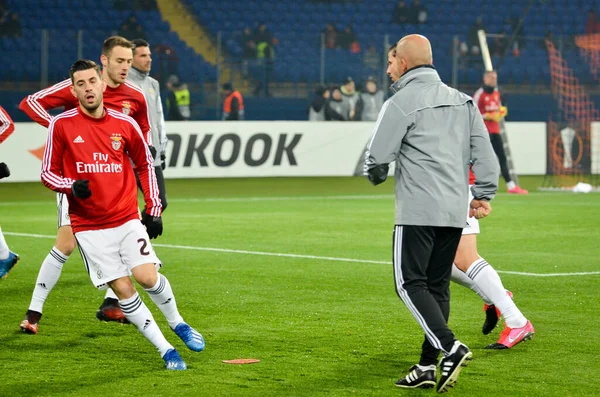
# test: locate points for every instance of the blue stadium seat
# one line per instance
(297, 24)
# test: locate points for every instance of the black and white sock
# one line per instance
(488, 280)
(459, 277)
(138, 314)
(162, 295)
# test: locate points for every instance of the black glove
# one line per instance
(153, 224)
(378, 174)
(4, 171)
(81, 189)
(152, 151)
(163, 161)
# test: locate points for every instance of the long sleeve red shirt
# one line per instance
(99, 150)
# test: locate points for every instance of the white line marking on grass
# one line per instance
(232, 199)
(281, 198)
(323, 258)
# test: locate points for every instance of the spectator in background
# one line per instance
(4, 14)
(592, 25)
(349, 97)
(165, 62)
(371, 59)
(370, 102)
(400, 13)
(265, 42)
(248, 44)
(499, 44)
(10, 24)
(347, 40)
(417, 13)
(336, 109)
(131, 29)
(233, 105)
(473, 38)
(316, 110)
(178, 101)
(331, 37)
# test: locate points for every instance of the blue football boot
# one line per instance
(192, 338)
(173, 361)
(7, 264)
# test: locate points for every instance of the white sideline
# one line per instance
(323, 258)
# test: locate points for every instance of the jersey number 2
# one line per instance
(143, 250)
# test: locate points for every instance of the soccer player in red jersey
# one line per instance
(121, 96)
(88, 157)
(8, 259)
(488, 100)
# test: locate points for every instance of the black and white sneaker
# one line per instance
(418, 378)
(451, 365)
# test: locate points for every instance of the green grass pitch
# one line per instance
(319, 326)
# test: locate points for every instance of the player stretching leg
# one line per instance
(121, 96)
(472, 271)
(8, 259)
(99, 183)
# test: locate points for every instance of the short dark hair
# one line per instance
(392, 48)
(115, 41)
(83, 64)
(139, 43)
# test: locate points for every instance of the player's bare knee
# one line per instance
(146, 275)
(123, 288)
(461, 263)
(65, 241)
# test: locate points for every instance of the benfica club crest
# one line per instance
(126, 107)
(116, 141)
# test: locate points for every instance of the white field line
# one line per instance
(271, 198)
(231, 199)
(298, 256)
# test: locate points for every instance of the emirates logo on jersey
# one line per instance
(126, 107)
(116, 141)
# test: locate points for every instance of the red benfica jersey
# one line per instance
(488, 103)
(126, 98)
(99, 150)
(6, 125)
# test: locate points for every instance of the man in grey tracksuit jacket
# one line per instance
(139, 75)
(433, 133)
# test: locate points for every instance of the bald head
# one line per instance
(413, 50)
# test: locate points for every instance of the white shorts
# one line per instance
(472, 226)
(63, 210)
(109, 254)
